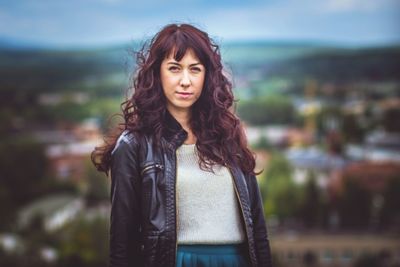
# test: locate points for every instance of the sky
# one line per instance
(110, 22)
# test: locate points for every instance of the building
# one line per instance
(68, 150)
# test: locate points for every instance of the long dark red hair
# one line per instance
(220, 135)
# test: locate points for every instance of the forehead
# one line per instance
(189, 54)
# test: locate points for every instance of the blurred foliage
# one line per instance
(263, 144)
(84, 243)
(390, 215)
(282, 195)
(268, 110)
(23, 166)
(288, 201)
(354, 206)
(343, 65)
(312, 207)
(81, 243)
(355, 126)
(57, 70)
(24, 176)
(391, 119)
(333, 118)
(98, 185)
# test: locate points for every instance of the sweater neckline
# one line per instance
(187, 149)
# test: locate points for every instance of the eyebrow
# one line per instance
(177, 64)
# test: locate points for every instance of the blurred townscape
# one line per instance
(317, 85)
(323, 120)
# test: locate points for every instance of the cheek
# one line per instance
(200, 81)
(166, 82)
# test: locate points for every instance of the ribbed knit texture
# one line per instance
(208, 210)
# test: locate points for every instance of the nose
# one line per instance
(185, 79)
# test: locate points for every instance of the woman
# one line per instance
(183, 189)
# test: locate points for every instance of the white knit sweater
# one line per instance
(208, 210)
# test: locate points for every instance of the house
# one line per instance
(68, 150)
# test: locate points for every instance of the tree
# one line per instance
(98, 188)
(354, 205)
(390, 215)
(268, 110)
(281, 195)
(23, 167)
(84, 242)
(311, 205)
(391, 119)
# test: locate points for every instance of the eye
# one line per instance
(196, 69)
(173, 68)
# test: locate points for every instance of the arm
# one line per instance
(125, 206)
(263, 250)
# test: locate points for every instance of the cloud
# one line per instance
(335, 6)
(111, 21)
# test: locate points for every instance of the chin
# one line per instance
(184, 105)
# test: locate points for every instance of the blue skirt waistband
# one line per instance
(217, 249)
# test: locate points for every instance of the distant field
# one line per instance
(105, 71)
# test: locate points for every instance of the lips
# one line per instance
(184, 95)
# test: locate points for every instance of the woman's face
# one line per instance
(182, 81)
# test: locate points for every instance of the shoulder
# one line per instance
(126, 142)
(125, 156)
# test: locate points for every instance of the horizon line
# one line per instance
(12, 43)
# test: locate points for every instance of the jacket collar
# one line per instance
(173, 131)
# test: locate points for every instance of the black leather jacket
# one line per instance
(143, 228)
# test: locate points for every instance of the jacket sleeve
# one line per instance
(263, 250)
(125, 245)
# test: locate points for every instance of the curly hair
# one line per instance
(220, 135)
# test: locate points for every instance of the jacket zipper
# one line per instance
(158, 166)
(241, 209)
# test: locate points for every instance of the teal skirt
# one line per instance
(234, 255)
